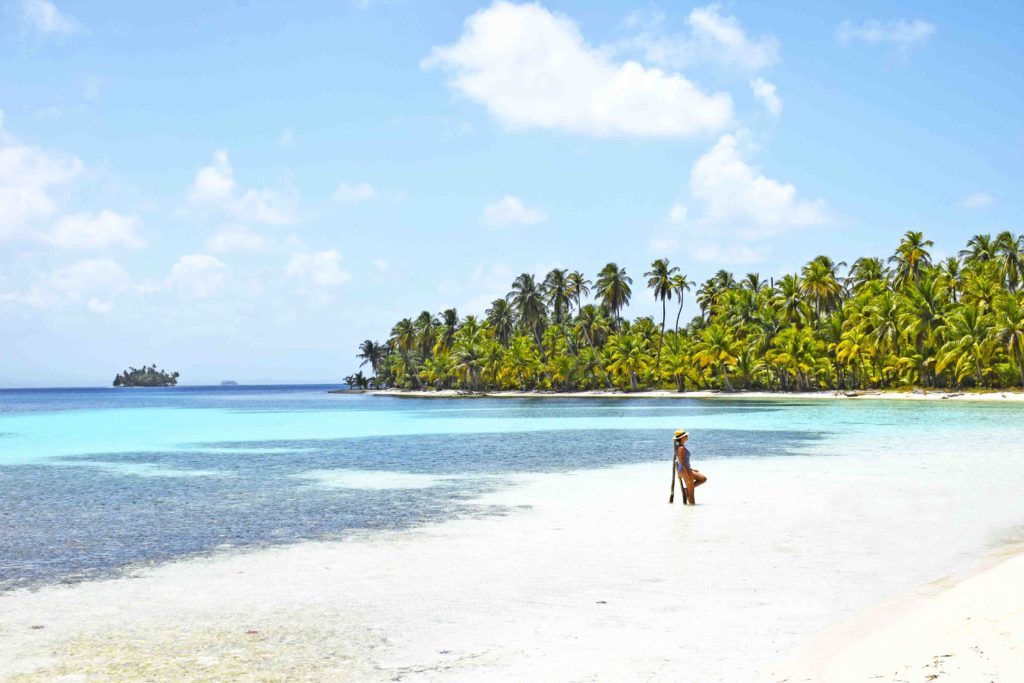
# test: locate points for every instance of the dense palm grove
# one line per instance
(907, 321)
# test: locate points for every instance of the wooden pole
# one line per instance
(672, 496)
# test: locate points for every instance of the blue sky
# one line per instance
(246, 191)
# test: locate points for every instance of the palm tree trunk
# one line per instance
(597, 358)
(661, 340)
(679, 313)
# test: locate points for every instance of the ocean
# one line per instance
(97, 482)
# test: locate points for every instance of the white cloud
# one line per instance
(978, 200)
(236, 238)
(215, 187)
(381, 265)
(95, 231)
(97, 280)
(766, 93)
(321, 268)
(713, 38)
(732, 191)
(902, 33)
(43, 17)
(533, 69)
(509, 211)
(90, 276)
(287, 137)
(198, 276)
(740, 210)
(354, 192)
(677, 214)
(27, 176)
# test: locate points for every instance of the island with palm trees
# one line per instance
(901, 323)
(146, 376)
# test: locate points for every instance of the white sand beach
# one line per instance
(582, 576)
(862, 395)
(970, 631)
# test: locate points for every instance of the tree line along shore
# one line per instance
(907, 321)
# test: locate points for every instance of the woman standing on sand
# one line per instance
(689, 478)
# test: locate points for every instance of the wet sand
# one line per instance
(575, 576)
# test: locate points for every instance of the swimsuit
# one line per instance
(686, 456)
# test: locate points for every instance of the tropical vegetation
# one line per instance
(146, 377)
(907, 321)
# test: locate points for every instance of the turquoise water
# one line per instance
(96, 480)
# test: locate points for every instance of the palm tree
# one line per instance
(659, 279)
(820, 285)
(579, 287)
(969, 343)
(591, 322)
(865, 270)
(629, 357)
(980, 249)
(502, 320)
(527, 299)
(717, 348)
(911, 257)
(449, 323)
(960, 321)
(1009, 330)
(952, 276)
(680, 285)
(558, 290)
(753, 282)
(1009, 252)
(371, 352)
(613, 288)
(426, 333)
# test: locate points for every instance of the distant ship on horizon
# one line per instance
(228, 383)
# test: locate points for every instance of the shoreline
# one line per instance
(962, 627)
(559, 584)
(862, 395)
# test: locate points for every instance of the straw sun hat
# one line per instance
(680, 433)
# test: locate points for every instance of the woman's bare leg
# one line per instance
(689, 486)
(698, 478)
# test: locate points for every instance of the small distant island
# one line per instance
(146, 377)
(227, 383)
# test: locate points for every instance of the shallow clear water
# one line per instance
(96, 480)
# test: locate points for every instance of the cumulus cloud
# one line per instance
(978, 200)
(43, 17)
(533, 69)
(732, 191)
(740, 209)
(90, 276)
(236, 238)
(215, 187)
(510, 210)
(27, 177)
(713, 38)
(198, 276)
(767, 95)
(95, 231)
(354, 192)
(321, 268)
(903, 33)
